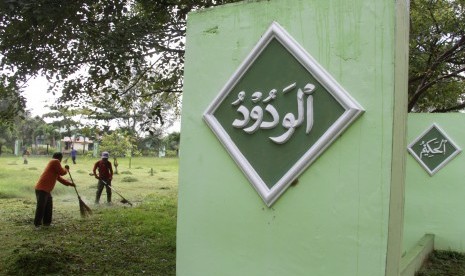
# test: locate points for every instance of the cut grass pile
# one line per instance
(116, 240)
(443, 263)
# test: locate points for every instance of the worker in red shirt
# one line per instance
(104, 175)
(44, 187)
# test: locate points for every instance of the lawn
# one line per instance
(116, 240)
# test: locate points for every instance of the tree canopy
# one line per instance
(12, 103)
(437, 56)
(101, 52)
(92, 51)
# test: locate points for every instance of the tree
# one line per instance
(68, 121)
(85, 47)
(48, 133)
(172, 140)
(86, 133)
(12, 103)
(437, 56)
(140, 112)
(25, 129)
(118, 145)
(6, 135)
(91, 48)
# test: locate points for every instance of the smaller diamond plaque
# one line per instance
(433, 149)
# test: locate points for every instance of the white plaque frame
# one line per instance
(443, 163)
(352, 111)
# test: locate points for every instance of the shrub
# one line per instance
(129, 179)
(7, 150)
(171, 153)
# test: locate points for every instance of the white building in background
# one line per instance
(79, 143)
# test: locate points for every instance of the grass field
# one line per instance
(116, 240)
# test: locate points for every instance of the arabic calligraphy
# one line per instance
(433, 147)
(253, 120)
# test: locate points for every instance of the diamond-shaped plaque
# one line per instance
(278, 112)
(433, 149)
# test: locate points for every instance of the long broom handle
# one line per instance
(72, 181)
(114, 190)
(87, 210)
(109, 186)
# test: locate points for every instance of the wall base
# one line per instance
(415, 258)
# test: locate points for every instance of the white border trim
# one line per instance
(352, 111)
(443, 163)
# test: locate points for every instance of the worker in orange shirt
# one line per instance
(44, 187)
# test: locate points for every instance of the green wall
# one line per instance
(335, 220)
(435, 204)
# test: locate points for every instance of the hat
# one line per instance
(105, 154)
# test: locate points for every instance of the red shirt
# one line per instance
(105, 169)
(51, 174)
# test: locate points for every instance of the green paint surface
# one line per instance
(334, 221)
(435, 204)
(399, 143)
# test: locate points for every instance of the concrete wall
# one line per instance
(436, 204)
(336, 220)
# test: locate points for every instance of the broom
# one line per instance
(83, 208)
(114, 190)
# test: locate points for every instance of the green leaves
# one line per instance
(118, 144)
(437, 56)
(85, 47)
(12, 104)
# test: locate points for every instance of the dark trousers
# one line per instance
(44, 208)
(100, 186)
(74, 159)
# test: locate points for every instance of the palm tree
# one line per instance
(27, 129)
(50, 134)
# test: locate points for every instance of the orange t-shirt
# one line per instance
(51, 174)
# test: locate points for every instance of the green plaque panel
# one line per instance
(433, 149)
(278, 113)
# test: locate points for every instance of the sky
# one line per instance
(38, 98)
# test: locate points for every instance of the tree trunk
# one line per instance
(115, 162)
(35, 144)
